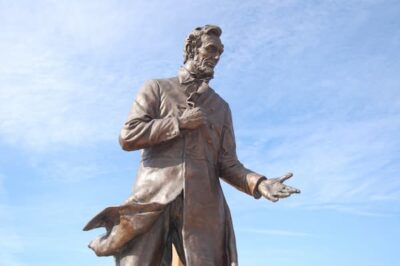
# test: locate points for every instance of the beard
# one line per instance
(201, 70)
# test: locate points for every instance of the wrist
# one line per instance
(257, 193)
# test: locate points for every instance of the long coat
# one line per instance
(175, 160)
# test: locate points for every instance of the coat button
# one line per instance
(209, 141)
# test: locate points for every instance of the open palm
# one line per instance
(274, 189)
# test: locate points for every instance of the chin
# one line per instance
(202, 70)
(206, 71)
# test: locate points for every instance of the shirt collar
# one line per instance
(192, 84)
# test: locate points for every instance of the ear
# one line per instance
(189, 51)
(190, 47)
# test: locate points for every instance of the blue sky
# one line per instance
(314, 88)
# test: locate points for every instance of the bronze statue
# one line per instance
(184, 129)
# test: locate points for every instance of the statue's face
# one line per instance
(208, 54)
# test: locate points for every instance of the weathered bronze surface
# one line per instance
(184, 129)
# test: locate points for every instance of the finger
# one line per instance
(199, 120)
(195, 114)
(271, 197)
(199, 116)
(291, 190)
(274, 199)
(285, 177)
(282, 194)
(191, 111)
(198, 110)
(201, 109)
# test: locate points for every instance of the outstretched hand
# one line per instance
(274, 189)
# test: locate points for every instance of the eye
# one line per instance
(211, 49)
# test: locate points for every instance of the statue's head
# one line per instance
(203, 48)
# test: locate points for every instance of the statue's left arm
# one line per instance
(230, 168)
(250, 182)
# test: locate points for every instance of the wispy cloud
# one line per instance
(320, 115)
(333, 161)
(68, 85)
(313, 87)
(273, 232)
(56, 87)
(11, 244)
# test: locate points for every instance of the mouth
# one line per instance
(210, 63)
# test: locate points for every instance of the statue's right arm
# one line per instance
(144, 126)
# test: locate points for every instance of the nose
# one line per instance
(216, 57)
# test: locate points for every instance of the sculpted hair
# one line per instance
(193, 40)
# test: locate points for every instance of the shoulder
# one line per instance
(219, 100)
(163, 82)
(154, 86)
(160, 82)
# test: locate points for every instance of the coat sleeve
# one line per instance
(230, 168)
(144, 127)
